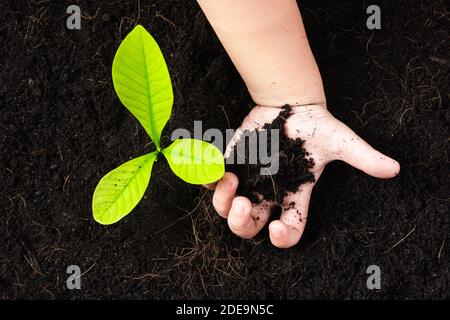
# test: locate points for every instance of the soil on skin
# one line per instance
(294, 164)
(62, 128)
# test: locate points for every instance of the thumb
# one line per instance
(359, 154)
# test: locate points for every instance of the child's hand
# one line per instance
(268, 45)
(326, 139)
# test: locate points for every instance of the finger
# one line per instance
(224, 194)
(359, 154)
(247, 219)
(287, 231)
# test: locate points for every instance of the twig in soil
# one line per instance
(149, 144)
(369, 40)
(440, 249)
(194, 231)
(203, 283)
(401, 240)
(147, 275)
(33, 21)
(159, 15)
(31, 260)
(96, 81)
(59, 151)
(34, 223)
(128, 19)
(236, 262)
(20, 197)
(297, 281)
(408, 70)
(188, 213)
(400, 120)
(138, 11)
(17, 283)
(49, 251)
(274, 187)
(24, 202)
(56, 283)
(226, 116)
(172, 187)
(332, 249)
(66, 182)
(52, 296)
(316, 242)
(88, 269)
(204, 261)
(90, 17)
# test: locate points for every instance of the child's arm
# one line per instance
(267, 43)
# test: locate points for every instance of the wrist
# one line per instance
(277, 100)
(298, 83)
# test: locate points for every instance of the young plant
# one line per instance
(142, 82)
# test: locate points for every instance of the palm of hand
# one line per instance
(326, 139)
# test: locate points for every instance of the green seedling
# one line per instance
(142, 82)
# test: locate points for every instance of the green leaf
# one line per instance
(195, 161)
(142, 81)
(119, 191)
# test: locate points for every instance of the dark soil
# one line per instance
(294, 164)
(62, 128)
